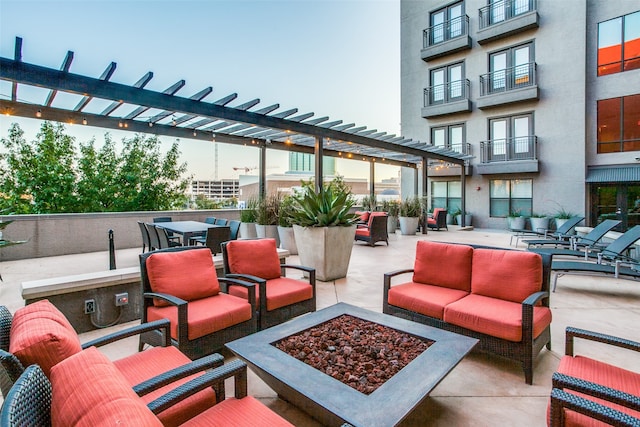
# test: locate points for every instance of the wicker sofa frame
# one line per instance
(524, 351)
(201, 346)
(378, 231)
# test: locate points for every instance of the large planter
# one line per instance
(327, 249)
(248, 230)
(539, 224)
(392, 224)
(451, 220)
(408, 225)
(288, 239)
(268, 231)
(467, 219)
(516, 222)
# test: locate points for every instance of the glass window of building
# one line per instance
(450, 136)
(619, 44)
(511, 68)
(446, 23)
(511, 138)
(510, 195)
(446, 194)
(446, 83)
(618, 124)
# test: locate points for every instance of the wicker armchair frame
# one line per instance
(524, 351)
(201, 346)
(377, 226)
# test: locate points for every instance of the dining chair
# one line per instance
(164, 240)
(170, 234)
(234, 228)
(210, 220)
(154, 243)
(221, 221)
(146, 242)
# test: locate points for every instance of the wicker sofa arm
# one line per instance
(207, 362)
(391, 274)
(561, 399)
(236, 369)
(304, 268)
(572, 333)
(534, 298)
(251, 295)
(162, 325)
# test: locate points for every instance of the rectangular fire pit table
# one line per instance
(332, 402)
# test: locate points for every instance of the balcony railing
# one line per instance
(504, 10)
(463, 148)
(511, 149)
(448, 30)
(448, 92)
(508, 79)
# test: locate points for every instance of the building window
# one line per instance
(619, 124)
(619, 44)
(446, 84)
(511, 138)
(446, 23)
(511, 68)
(451, 137)
(510, 195)
(501, 10)
(446, 195)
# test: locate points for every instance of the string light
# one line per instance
(120, 124)
(213, 137)
(150, 124)
(39, 113)
(195, 133)
(84, 120)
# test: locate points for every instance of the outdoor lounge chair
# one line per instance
(591, 239)
(563, 232)
(438, 220)
(586, 389)
(181, 284)
(375, 230)
(87, 389)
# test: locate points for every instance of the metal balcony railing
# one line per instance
(504, 10)
(448, 92)
(464, 148)
(448, 30)
(508, 79)
(510, 149)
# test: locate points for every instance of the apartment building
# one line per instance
(216, 189)
(544, 94)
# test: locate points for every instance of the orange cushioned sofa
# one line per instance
(499, 296)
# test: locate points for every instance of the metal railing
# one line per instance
(504, 10)
(448, 30)
(448, 92)
(463, 148)
(510, 149)
(508, 79)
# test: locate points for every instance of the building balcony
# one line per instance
(509, 86)
(506, 18)
(446, 38)
(445, 99)
(513, 155)
(440, 168)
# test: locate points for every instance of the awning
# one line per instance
(614, 174)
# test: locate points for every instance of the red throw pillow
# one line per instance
(188, 274)
(42, 335)
(88, 390)
(443, 264)
(258, 257)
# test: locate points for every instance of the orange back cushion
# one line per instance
(188, 274)
(88, 390)
(507, 275)
(255, 257)
(41, 334)
(364, 215)
(373, 215)
(443, 264)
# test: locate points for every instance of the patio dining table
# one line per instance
(187, 229)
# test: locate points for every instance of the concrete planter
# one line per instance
(516, 222)
(268, 232)
(392, 224)
(288, 239)
(539, 224)
(409, 225)
(248, 230)
(468, 218)
(327, 249)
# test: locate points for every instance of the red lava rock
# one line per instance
(359, 353)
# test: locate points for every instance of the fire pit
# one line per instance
(330, 400)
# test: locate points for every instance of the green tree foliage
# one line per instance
(49, 176)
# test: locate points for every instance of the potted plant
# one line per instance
(285, 225)
(562, 216)
(267, 217)
(539, 222)
(248, 220)
(515, 220)
(392, 208)
(409, 215)
(468, 217)
(325, 228)
(369, 203)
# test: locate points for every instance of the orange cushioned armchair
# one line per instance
(375, 230)
(438, 220)
(279, 298)
(181, 284)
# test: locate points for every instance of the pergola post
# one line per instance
(262, 171)
(463, 196)
(318, 154)
(372, 177)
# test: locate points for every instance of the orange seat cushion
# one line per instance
(280, 292)
(495, 317)
(603, 374)
(189, 274)
(206, 315)
(255, 257)
(88, 390)
(506, 275)
(232, 412)
(424, 299)
(147, 364)
(41, 334)
(363, 231)
(443, 264)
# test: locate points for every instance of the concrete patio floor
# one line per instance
(483, 390)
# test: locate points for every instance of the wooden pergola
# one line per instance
(196, 118)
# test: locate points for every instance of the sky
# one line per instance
(336, 58)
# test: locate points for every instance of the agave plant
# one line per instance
(328, 208)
